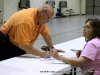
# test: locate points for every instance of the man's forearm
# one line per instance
(30, 50)
(48, 40)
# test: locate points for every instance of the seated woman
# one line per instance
(89, 57)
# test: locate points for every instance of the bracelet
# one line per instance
(62, 58)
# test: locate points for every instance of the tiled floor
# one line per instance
(65, 29)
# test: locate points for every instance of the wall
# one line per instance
(2, 10)
(83, 6)
(75, 5)
(11, 6)
(37, 3)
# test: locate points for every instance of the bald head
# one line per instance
(48, 8)
(45, 13)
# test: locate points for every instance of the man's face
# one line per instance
(46, 17)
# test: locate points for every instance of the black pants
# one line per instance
(7, 49)
(58, 15)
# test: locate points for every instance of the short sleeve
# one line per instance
(23, 34)
(90, 51)
(45, 30)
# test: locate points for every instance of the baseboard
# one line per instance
(74, 15)
(77, 14)
(82, 14)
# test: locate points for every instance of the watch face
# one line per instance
(45, 48)
(52, 47)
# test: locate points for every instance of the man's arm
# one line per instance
(30, 49)
(48, 40)
(50, 44)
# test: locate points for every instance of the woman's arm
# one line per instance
(73, 61)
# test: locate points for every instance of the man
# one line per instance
(23, 28)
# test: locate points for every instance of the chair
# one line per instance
(67, 12)
(72, 12)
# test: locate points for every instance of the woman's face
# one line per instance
(87, 30)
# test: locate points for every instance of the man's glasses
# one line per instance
(48, 16)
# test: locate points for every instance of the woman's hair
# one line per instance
(95, 24)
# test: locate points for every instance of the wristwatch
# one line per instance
(51, 48)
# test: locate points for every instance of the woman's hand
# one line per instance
(59, 50)
(78, 53)
(54, 53)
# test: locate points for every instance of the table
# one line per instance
(32, 65)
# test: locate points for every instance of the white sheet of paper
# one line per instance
(51, 58)
(46, 59)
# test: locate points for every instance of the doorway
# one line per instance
(93, 7)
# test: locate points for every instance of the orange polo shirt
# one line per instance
(24, 29)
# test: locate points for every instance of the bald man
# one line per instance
(22, 30)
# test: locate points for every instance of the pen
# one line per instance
(74, 50)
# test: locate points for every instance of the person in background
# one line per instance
(19, 33)
(89, 57)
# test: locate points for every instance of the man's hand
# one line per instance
(45, 54)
